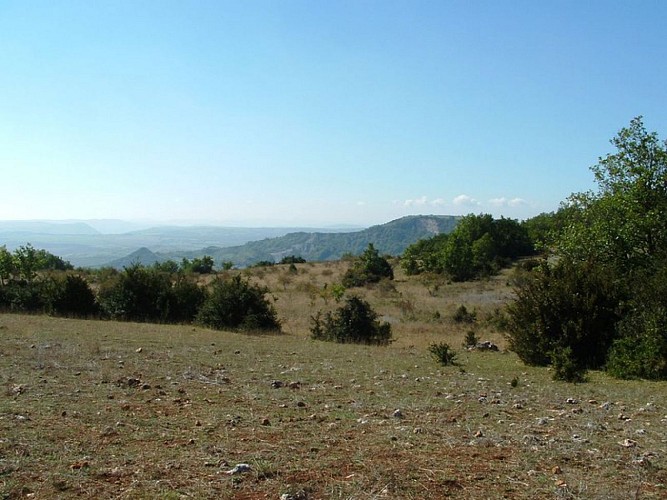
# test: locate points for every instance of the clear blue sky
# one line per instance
(317, 112)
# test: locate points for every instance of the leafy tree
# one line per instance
(238, 305)
(7, 265)
(370, 267)
(354, 322)
(26, 261)
(603, 299)
(478, 246)
(624, 224)
(423, 255)
(46, 261)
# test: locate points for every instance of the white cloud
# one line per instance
(517, 202)
(419, 202)
(424, 201)
(505, 202)
(463, 200)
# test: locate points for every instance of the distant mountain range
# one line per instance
(391, 238)
(84, 244)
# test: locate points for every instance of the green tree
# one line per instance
(7, 265)
(604, 296)
(26, 262)
(624, 223)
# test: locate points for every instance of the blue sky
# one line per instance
(313, 112)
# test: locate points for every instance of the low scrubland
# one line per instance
(135, 410)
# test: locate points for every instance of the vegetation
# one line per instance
(370, 267)
(354, 322)
(479, 246)
(443, 353)
(602, 301)
(235, 304)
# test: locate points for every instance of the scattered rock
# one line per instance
(397, 414)
(294, 385)
(277, 384)
(572, 401)
(487, 345)
(139, 350)
(556, 470)
(18, 389)
(239, 469)
(266, 421)
(628, 443)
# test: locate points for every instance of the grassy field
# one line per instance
(125, 410)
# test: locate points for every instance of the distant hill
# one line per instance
(142, 256)
(391, 238)
(87, 244)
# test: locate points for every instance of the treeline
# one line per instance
(479, 246)
(162, 293)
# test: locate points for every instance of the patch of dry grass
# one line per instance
(124, 410)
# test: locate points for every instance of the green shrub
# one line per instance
(23, 296)
(370, 267)
(567, 367)
(137, 294)
(354, 322)
(567, 305)
(641, 350)
(236, 304)
(462, 315)
(471, 339)
(74, 297)
(443, 353)
(185, 300)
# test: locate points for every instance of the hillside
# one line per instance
(96, 243)
(391, 238)
(101, 409)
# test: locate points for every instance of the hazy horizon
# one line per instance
(312, 114)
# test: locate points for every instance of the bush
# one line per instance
(567, 305)
(235, 304)
(369, 268)
(567, 367)
(471, 339)
(462, 315)
(185, 300)
(137, 294)
(74, 297)
(293, 259)
(23, 296)
(641, 350)
(354, 322)
(443, 353)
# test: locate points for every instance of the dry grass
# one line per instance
(113, 410)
